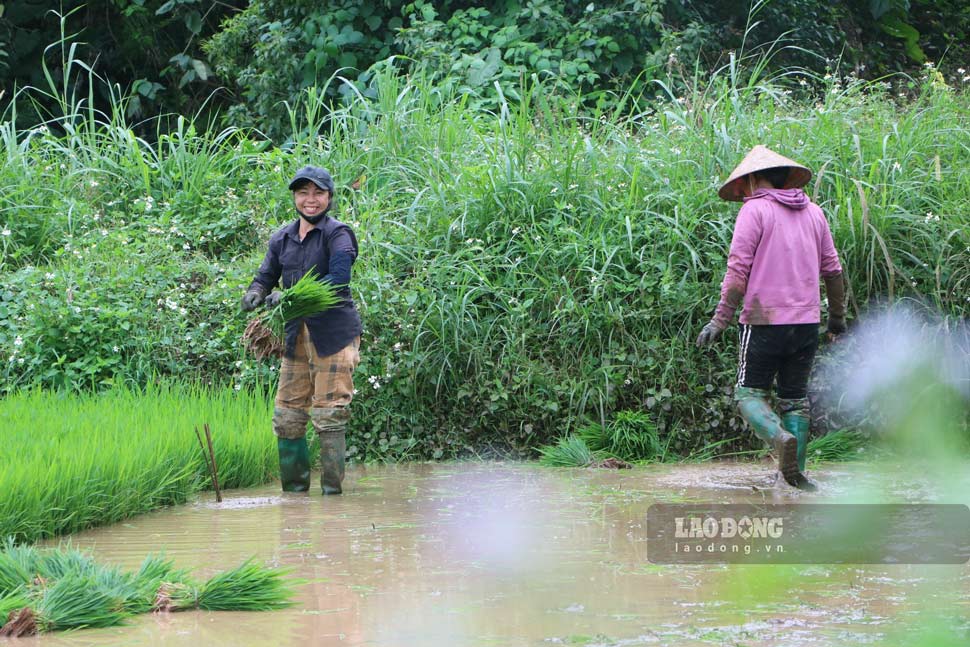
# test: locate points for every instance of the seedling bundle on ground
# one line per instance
(53, 590)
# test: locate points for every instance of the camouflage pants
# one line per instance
(315, 388)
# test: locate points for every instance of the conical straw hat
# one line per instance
(758, 159)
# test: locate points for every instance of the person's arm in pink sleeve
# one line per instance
(830, 265)
(744, 243)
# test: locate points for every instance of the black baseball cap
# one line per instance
(317, 175)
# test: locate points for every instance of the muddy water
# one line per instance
(511, 554)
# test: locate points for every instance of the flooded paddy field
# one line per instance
(514, 554)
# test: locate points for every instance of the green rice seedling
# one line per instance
(176, 596)
(81, 460)
(12, 600)
(146, 582)
(75, 601)
(72, 590)
(632, 436)
(13, 576)
(18, 566)
(840, 445)
(248, 587)
(56, 564)
(569, 451)
(595, 437)
(308, 296)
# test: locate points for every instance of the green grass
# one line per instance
(74, 461)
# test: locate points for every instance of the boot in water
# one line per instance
(294, 464)
(797, 421)
(754, 408)
(333, 449)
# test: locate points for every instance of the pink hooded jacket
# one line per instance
(781, 245)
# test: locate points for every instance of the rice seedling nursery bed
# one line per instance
(71, 461)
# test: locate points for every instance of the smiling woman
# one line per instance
(321, 348)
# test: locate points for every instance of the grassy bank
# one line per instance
(521, 273)
(75, 461)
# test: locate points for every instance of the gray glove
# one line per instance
(273, 299)
(709, 334)
(253, 297)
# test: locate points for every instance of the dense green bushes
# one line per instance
(274, 50)
(521, 272)
(247, 60)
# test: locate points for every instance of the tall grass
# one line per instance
(71, 462)
(521, 271)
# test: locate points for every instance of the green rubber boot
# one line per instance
(754, 408)
(333, 450)
(797, 421)
(294, 464)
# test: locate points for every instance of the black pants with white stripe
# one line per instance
(785, 352)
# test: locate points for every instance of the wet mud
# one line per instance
(510, 554)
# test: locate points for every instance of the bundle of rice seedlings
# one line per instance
(263, 336)
(632, 436)
(306, 297)
(66, 589)
(18, 566)
(175, 596)
(76, 601)
(72, 602)
(12, 601)
(148, 581)
(840, 445)
(569, 451)
(259, 340)
(13, 575)
(248, 587)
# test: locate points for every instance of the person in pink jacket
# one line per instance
(781, 246)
